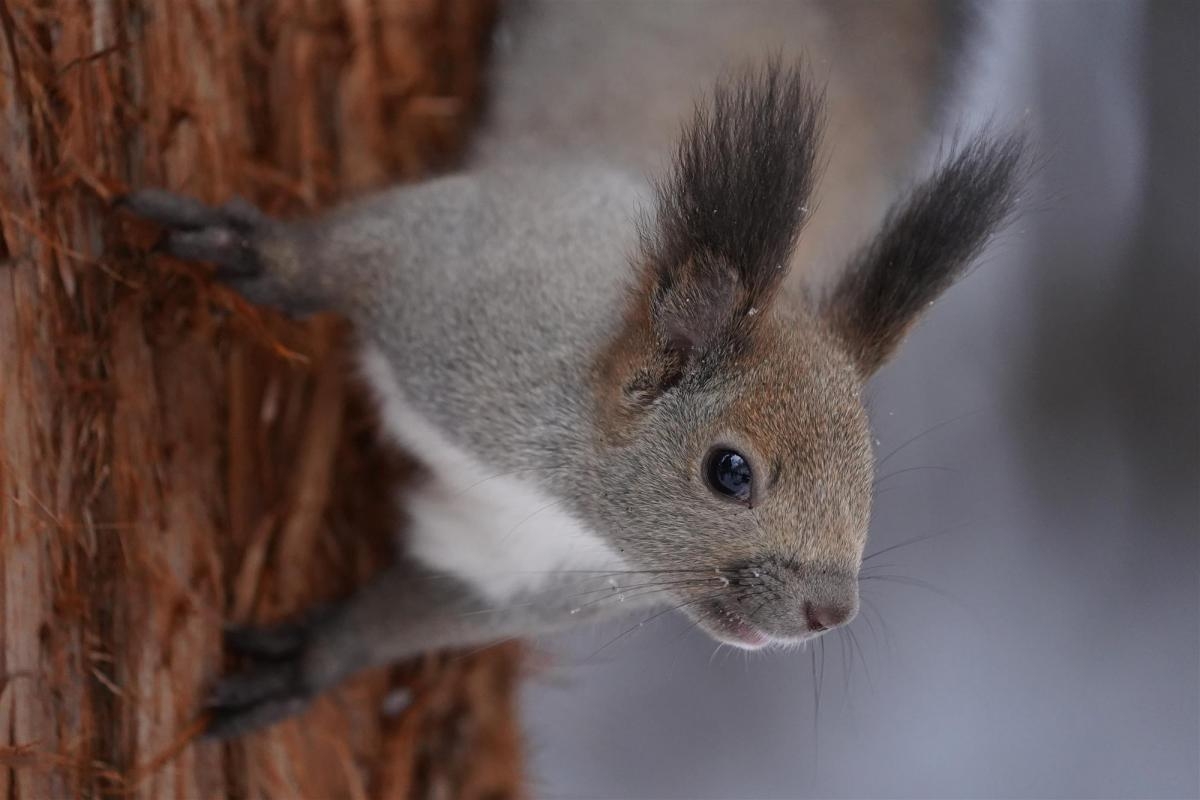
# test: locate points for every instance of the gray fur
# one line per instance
(489, 294)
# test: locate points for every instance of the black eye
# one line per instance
(728, 473)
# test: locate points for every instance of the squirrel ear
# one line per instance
(727, 214)
(927, 241)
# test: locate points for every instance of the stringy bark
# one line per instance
(171, 458)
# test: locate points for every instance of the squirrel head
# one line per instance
(736, 449)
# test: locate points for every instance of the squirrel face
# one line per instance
(733, 447)
(749, 483)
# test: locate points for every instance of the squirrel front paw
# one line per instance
(195, 231)
(231, 237)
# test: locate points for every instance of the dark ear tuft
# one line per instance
(927, 240)
(728, 213)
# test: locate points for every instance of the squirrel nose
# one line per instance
(823, 617)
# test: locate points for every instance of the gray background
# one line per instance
(1047, 643)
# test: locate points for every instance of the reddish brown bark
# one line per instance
(172, 458)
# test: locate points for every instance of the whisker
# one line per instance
(429, 576)
(552, 595)
(926, 432)
(917, 539)
(706, 570)
(818, 682)
(530, 516)
(847, 666)
(622, 594)
(861, 657)
(927, 468)
(876, 567)
(506, 473)
(616, 587)
(750, 616)
(688, 629)
(702, 599)
(929, 587)
(653, 617)
(887, 637)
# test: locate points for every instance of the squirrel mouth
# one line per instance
(731, 627)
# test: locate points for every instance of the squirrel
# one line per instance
(617, 396)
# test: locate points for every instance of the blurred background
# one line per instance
(1042, 425)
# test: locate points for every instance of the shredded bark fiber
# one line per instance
(173, 458)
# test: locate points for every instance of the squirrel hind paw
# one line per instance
(230, 723)
(253, 699)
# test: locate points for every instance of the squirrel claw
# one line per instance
(265, 693)
(227, 722)
(281, 640)
(255, 685)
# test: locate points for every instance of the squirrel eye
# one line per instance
(728, 473)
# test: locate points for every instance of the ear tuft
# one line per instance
(928, 240)
(728, 213)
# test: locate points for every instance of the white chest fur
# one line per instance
(497, 532)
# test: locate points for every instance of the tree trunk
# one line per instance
(173, 458)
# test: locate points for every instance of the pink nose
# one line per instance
(823, 617)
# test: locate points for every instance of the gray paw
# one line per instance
(223, 236)
(250, 700)
(273, 686)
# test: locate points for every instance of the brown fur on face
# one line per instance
(776, 388)
(711, 355)
(789, 397)
(799, 406)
